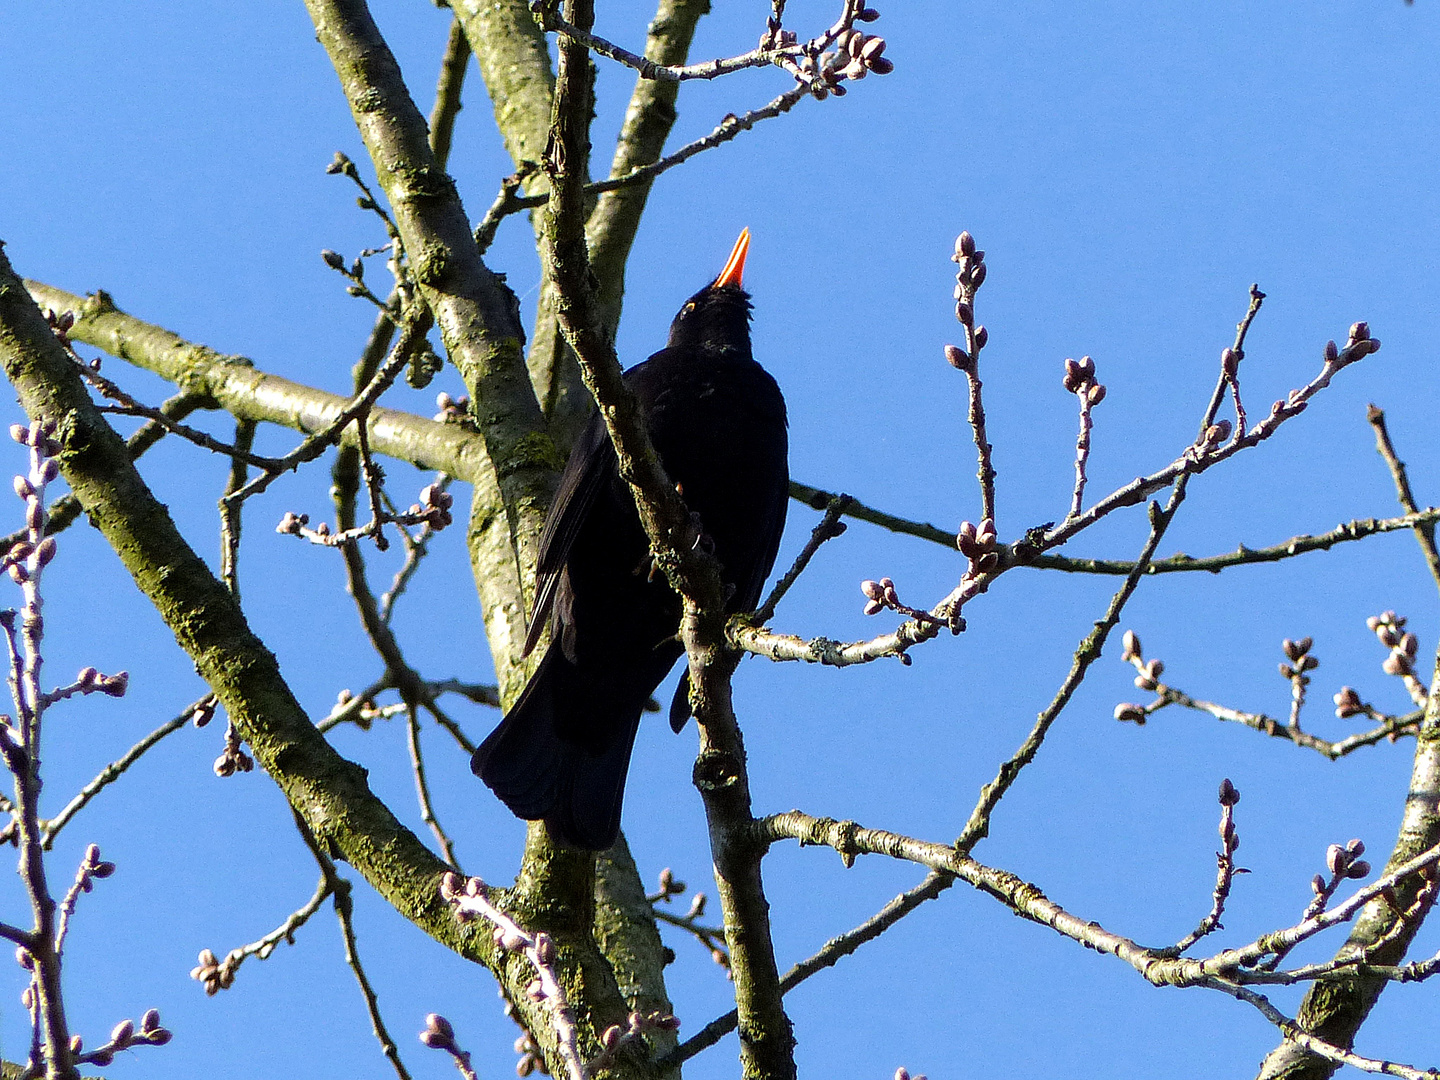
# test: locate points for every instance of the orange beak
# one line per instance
(735, 267)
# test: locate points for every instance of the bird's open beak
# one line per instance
(735, 267)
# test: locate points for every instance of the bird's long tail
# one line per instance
(540, 774)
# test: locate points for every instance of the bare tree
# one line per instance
(574, 942)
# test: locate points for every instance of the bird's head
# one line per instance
(717, 318)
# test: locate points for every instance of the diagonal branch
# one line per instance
(1424, 532)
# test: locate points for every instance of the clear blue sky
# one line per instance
(1130, 170)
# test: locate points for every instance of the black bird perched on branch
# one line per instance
(717, 420)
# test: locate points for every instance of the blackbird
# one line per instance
(717, 420)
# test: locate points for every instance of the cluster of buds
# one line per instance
(424, 365)
(531, 1057)
(452, 410)
(355, 271)
(61, 325)
(636, 1026)
(90, 681)
(776, 36)
(1147, 678)
(1148, 674)
(1298, 653)
(92, 867)
(1128, 712)
(881, 594)
(1229, 793)
(1348, 704)
(232, 758)
(978, 543)
(1080, 381)
(670, 886)
(903, 1073)
(1343, 863)
(39, 436)
(1360, 343)
(292, 524)
(433, 507)
(214, 974)
(968, 280)
(439, 1034)
(1403, 645)
(123, 1037)
(366, 712)
(864, 51)
(24, 561)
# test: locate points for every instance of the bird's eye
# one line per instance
(688, 308)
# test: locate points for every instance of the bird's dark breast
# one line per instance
(719, 428)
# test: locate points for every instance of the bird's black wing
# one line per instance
(591, 464)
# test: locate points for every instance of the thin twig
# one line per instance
(727, 129)
(422, 787)
(230, 512)
(416, 548)
(1424, 532)
(1391, 727)
(787, 56)
(340, 889)
(344, 911)
(829, 527)
(413, 330)
(453, 65)
(129, 406)
(216, 975)
(936, 882)
(1225, 871)
(1358, 529)
(1294, 1033)
(112, 772)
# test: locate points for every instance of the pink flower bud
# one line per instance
(1336, 858)
(1131, 643)
(1129, 712)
